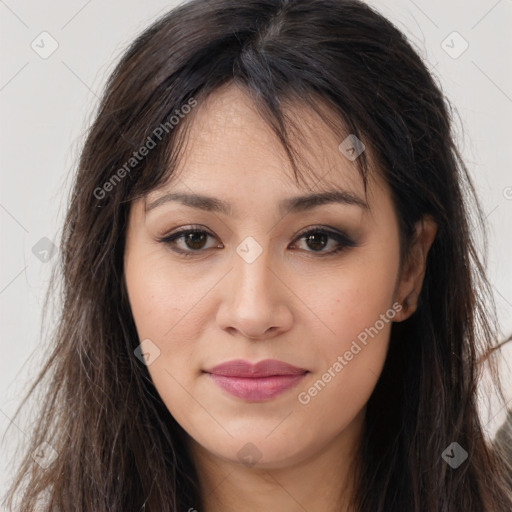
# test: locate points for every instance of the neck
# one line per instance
(323, 480)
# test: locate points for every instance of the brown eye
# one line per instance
(188, 241)
(195, 239)
(316, 240)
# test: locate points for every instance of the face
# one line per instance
(253, 274)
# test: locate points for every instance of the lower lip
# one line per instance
(257, 389)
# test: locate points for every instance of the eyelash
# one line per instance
(342, 239)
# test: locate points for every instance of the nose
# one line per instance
(256, 302)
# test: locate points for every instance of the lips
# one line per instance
(256, 382)
(266, 368)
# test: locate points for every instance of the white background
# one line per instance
(47, 103)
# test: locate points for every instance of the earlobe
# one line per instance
(413, 274)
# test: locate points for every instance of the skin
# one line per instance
(290, 303)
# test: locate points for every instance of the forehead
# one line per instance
(229, 146)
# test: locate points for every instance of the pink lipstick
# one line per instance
(256, 382)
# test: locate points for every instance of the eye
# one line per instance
(192, 240)
(188, 241)
(318, 239)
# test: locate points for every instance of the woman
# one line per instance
(272, 299)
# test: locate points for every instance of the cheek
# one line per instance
(352, 300)
(357, 306)
(167, 309)
(163, 299)
(350, 364)
(159, 301)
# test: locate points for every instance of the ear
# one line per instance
(413, 272)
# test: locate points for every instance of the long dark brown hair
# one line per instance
(118, 447)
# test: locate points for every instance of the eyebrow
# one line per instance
(292, 204)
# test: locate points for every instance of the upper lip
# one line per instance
(265, 368)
